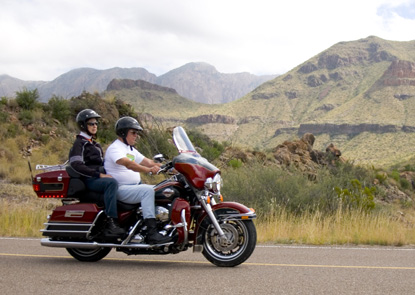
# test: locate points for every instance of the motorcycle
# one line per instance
(189, 209)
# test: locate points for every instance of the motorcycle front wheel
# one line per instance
(88, 255)
(239, 245)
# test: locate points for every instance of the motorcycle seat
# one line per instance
(78, 190)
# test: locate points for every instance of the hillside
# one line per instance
(358, 94)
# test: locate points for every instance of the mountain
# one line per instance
(200, 82)
(74, 82)
(9, 85)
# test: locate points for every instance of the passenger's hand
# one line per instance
(102, 175)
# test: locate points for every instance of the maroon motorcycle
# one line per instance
(189, 208)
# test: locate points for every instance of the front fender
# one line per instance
(224, 211)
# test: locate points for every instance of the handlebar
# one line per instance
(166, 167)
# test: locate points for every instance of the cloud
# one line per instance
(42, 39)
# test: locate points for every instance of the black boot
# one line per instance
(113, 228)
(153, 236)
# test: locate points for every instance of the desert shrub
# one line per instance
(235, 163)
(3, 101)
(60, 109)
(156, 141)
(268, 187)
(382, 177)
(4, 117)
(405, 184)
(357, 196)
(12, 130)
(27, 99)
(395, 175)
(210, 149)
(26, 117)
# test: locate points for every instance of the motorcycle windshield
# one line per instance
(182, 141)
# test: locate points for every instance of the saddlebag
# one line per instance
(75, 220)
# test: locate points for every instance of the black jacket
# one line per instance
(86, 157)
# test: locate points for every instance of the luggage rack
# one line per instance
(52, 167)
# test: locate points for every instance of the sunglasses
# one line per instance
(134, 132)
(92, 124)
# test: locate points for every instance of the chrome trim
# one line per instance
(186, 232)
(236, 216)
(95, 245)
(94, 223)
(131, 233)
(65, 224)
(65, 231)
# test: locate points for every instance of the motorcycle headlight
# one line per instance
(217, 183)
(214, 184)
(209, 183)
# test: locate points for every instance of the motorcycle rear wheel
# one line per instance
(88, 255)
(240, 245)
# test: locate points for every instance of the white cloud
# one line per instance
(42, 39)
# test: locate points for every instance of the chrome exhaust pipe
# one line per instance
(95, 245)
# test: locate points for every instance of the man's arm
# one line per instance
(144, 166)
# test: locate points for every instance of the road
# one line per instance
(28, 268)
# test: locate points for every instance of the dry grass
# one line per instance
(342, 227)
(21, 213)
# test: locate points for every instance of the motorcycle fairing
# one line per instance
(195, 169)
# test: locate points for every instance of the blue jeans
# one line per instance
(109, 187)
(138, 193)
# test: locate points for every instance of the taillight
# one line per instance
(51, 196)
(36, 187)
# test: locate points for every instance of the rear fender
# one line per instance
(224, 211)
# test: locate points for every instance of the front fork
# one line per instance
(208, 208)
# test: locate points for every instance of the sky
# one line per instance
(42, 39)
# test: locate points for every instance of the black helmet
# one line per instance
(124, 124)
(84, 116)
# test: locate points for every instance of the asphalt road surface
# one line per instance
(28, 268)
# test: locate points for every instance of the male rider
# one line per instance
(125, 163)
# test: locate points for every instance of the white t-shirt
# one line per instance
(116, 151)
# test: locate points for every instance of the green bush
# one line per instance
(405, 184)
(235, 163)
(26, 117)
(12, 130)
(4, 117)
(395, 175)
(60, 109)
(27, 99)
(357, 196)
(3, 101)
